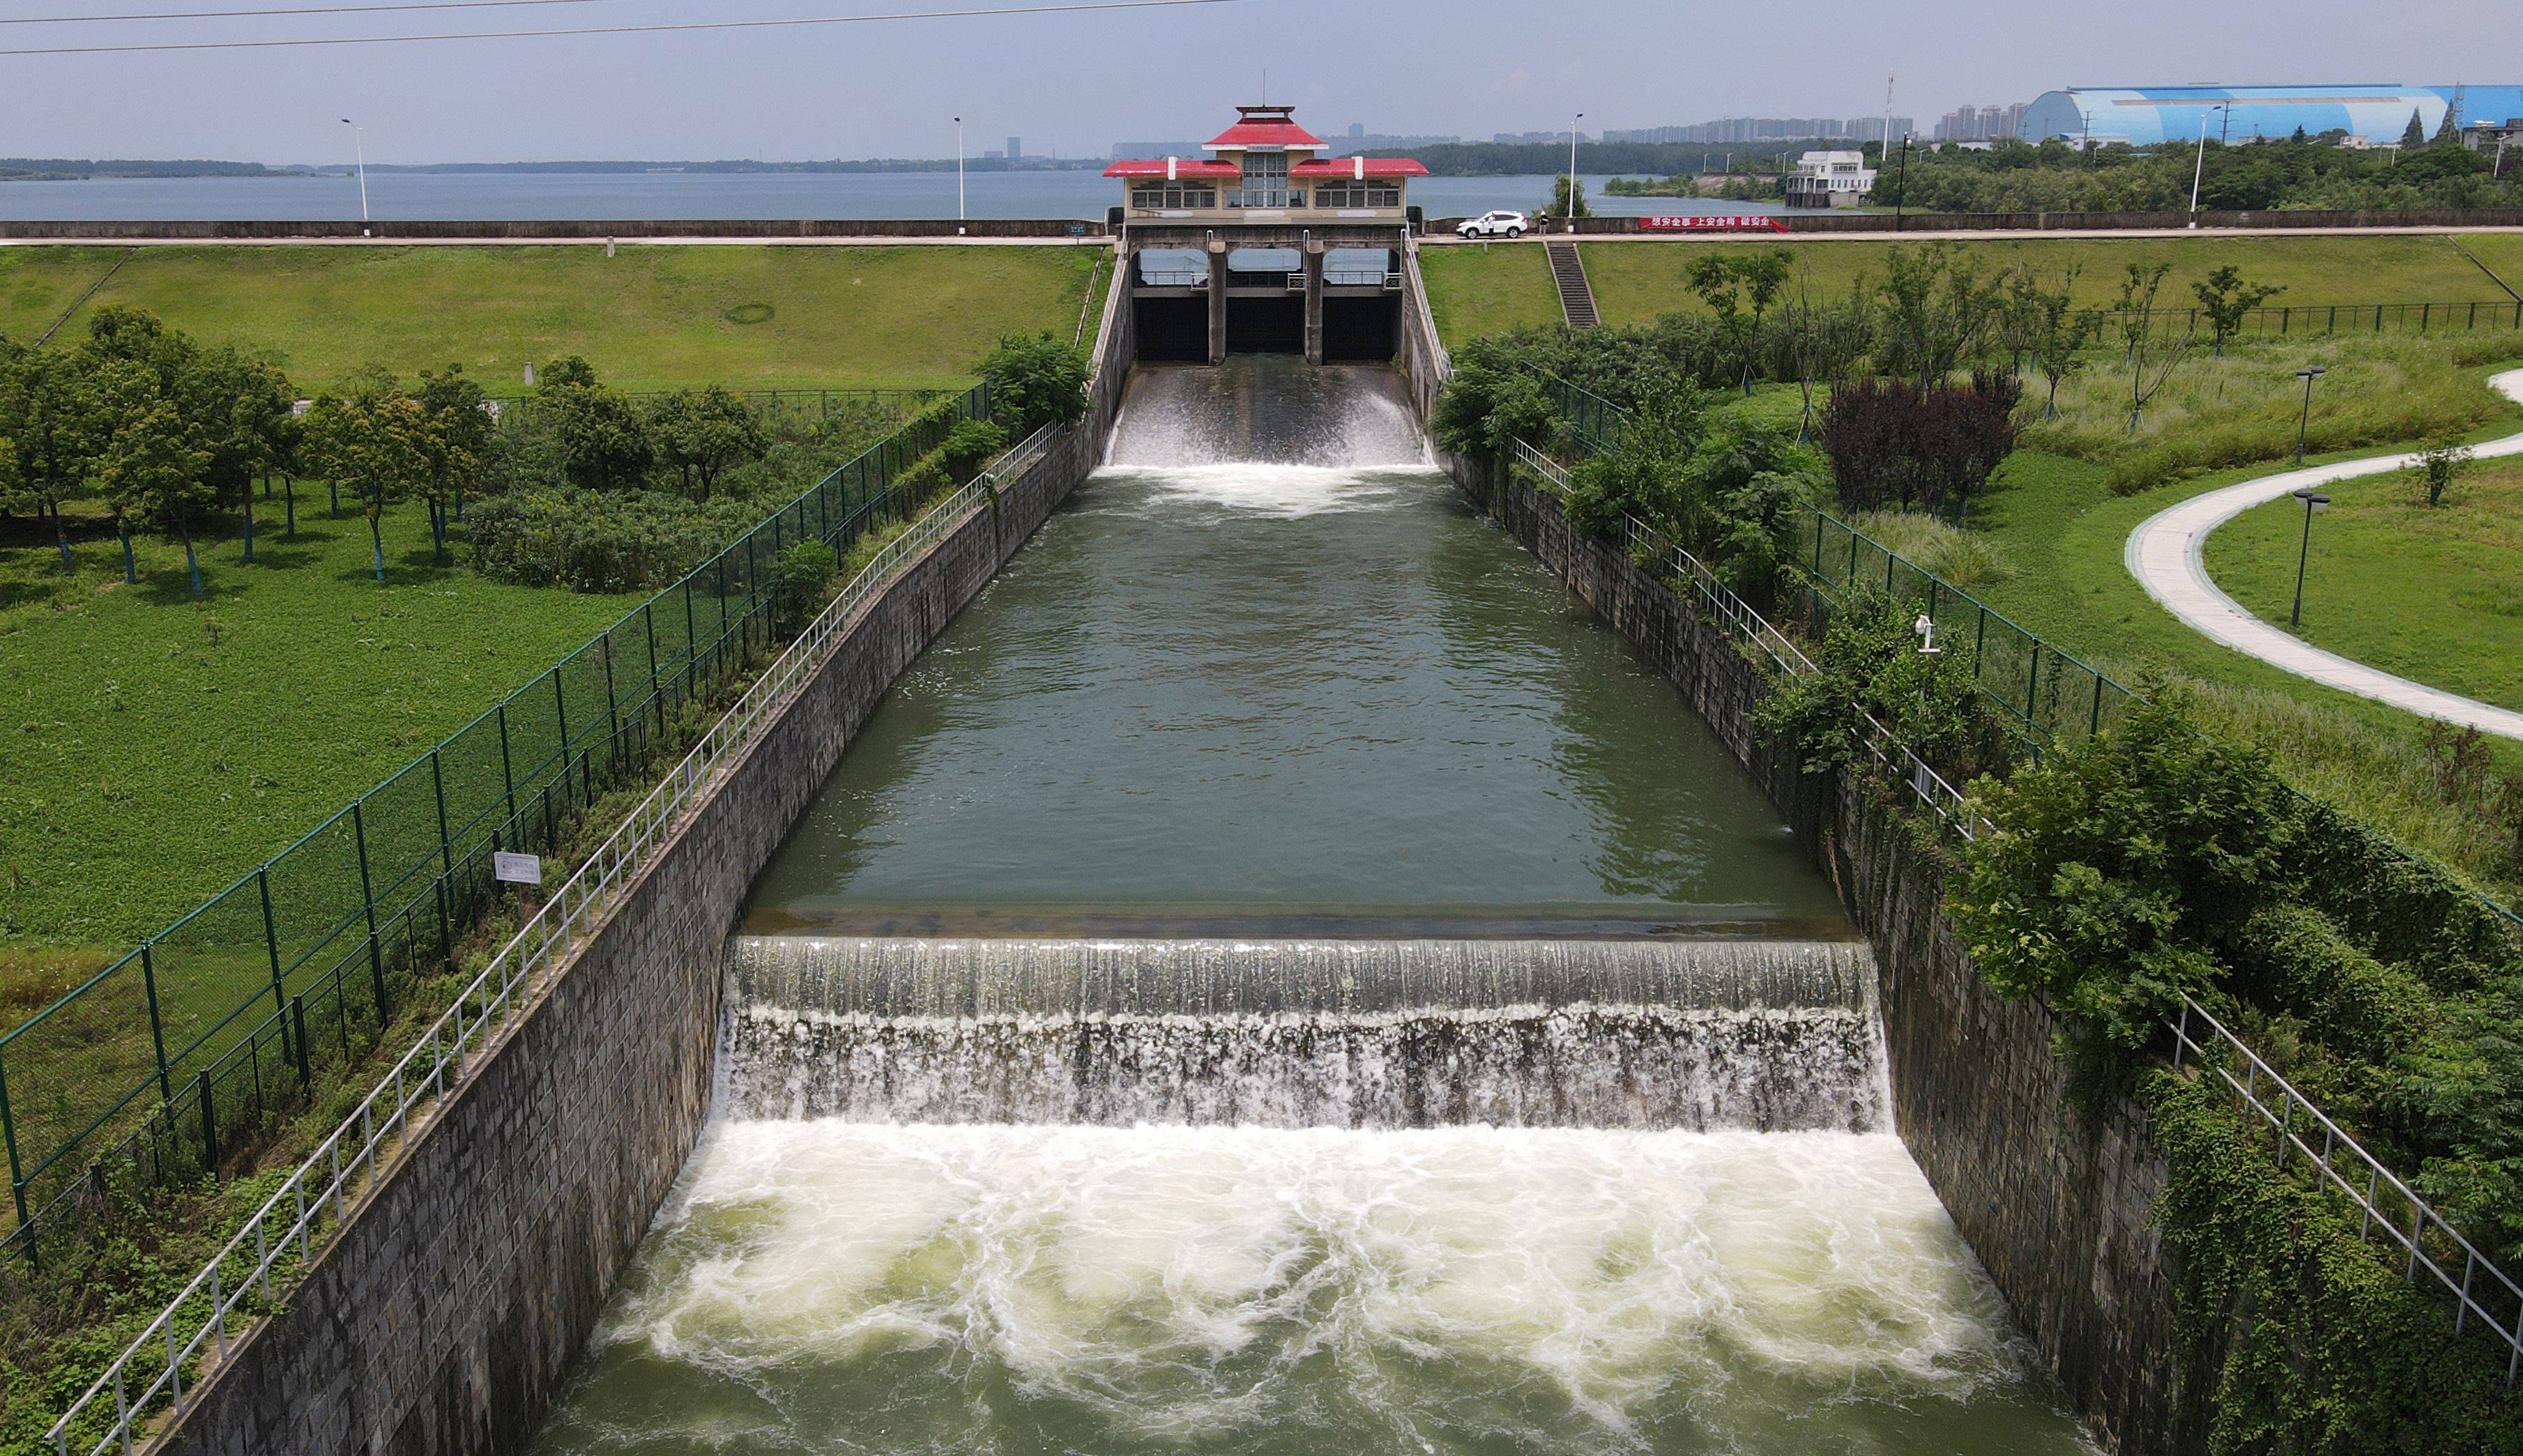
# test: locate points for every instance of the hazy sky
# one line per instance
(1079, 83)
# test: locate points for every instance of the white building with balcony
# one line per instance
(1830, 179)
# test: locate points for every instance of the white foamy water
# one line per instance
(1282, 491)
(832, 1287)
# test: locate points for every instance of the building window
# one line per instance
(1265, 181)
(1151, 197)
(1353, 193)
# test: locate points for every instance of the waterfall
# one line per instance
(1266, 411)
(1694, 1035)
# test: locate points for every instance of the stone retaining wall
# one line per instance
(2056, 1203)
(445, 1313)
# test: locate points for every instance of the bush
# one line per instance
(602, 542)
(801, 581)
(1036, 381)
(1869, 663)
(972, 445)
(1895, 443)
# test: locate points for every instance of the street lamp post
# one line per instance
(1901, 183)
(1572, 169)
(360, 148)
(959, 170)
(2199, 169)
(2314, 501)
(2303, 421)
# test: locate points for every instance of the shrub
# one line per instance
(604, 542)
(1895, 443)
(1036, 381)
(2117, 864)
(972, 445)
(1869, 663)
(801, 581)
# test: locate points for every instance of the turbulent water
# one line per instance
(1276, 979)
(830, 1287)
(1767, 1035)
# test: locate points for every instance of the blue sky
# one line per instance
(1078, 82)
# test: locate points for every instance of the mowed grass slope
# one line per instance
(1476, 290)
(153, 747)
(2434, 593)
(649, 317)
(1634, 282)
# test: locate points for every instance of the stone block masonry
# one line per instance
(450, 1307)
(2057, 1202)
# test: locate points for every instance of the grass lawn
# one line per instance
(153, 747)
(1634, 282)
(1475, 290)
(651, 317)
(2434, 594)
(2501, 254)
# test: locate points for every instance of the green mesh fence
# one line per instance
(205, 1033)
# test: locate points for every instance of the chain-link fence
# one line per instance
(179, 1051)
(2046, 695)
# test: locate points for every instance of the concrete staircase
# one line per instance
(1576, 298)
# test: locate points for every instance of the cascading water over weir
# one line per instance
(1274, 977)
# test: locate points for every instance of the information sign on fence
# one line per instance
(1714, 223)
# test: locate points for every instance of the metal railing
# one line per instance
(315, 1200)
(1952, 807)
(2297, 1122)
(1720, 604)
(1174, 278)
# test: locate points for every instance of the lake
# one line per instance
(737, 196)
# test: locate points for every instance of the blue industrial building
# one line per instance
(2145, 116)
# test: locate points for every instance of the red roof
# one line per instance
(1347, 166)
(1184, 167)
(1264, 126)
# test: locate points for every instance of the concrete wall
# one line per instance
(552, 230)
(2056, 1203)
(449, 1309)
(2432, 218)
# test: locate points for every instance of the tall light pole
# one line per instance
(2303, 421)
(1572, 169)
(2314, 501)
(360, 148)
(2199, 169)
(959, 170)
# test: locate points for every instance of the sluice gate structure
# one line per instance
(727, 1035)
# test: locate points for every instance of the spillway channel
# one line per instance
(1275, 977)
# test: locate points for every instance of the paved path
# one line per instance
(2163, 554)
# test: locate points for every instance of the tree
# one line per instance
(1935, 313)
(1818, 343)
(1567, 199)
(2054, 330)
(242, 408)
(700, 435)
(2227, 299)
(377, 441)
(2416, 135)
(603, 441)
(2439, 464)
(1726, 281)
(154, 471)
(459, 428)
(49, 434)
(2151, 359)
(1037, 380)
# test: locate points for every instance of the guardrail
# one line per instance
(2261, 1084)
(314, 1200)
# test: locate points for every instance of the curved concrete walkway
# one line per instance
(2163, 554)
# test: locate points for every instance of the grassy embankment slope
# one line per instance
(653, 317)
(1477, 291)
(155, 748)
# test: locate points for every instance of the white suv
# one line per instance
(1494, 226)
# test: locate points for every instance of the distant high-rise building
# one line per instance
(1357, 132)
(1733, 129)
(1986, 123)
(1016, 146)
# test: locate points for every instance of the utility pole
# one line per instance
(360, 148)
(1572, 169)
(959, 170)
